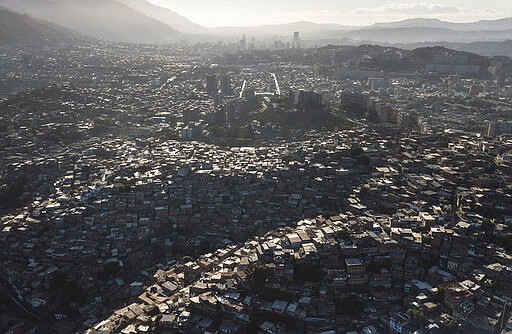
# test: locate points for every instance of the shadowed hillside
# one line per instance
(102, 19)
(20, 29)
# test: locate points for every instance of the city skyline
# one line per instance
(161, 176)
(366, 12)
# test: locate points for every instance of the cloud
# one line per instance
(421, 8)
(390, 12)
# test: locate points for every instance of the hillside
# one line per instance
(17, 29)
(483, 25)
(488, 48)
(416, 35)
(166, 16)
(102, 19)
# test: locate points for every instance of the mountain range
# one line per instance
(483, 25)
(102, 19)
(411, 35)
(165, 16)
(19, 29)
(140, 21)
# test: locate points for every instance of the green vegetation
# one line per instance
(167, 134)
(439, 295)
(187, 258)
(417, 315)
(258, 278)
(258, 281)
(487, 226)
(342, 234)
(453, 323)
(230, 136)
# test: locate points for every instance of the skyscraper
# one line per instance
(211, 84)
(230, 111)
(225, 84)
(217, 100)
(296, 40)
(243, 43)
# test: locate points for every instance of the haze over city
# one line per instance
(255, 167)
(358, 13)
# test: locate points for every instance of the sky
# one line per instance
(214, 13)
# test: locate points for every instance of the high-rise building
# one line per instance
(308, 99)
(211, 84)
(243, 43)
(296, 40)
(242, 107)
(225, 84)
(230, 111)
(217, 100)
(499, 128)
(191, 115)
(355, 100)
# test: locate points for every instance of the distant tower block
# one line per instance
(225, 85)
(243, 43)
(296, 40)
(211, 84)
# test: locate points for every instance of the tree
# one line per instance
(438, 296)
(259, 278)
(342, 234)
(417, 315)
(487, 226)
(452, 323)
(187, 259)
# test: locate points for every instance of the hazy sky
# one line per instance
(361, 12)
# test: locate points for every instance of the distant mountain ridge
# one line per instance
(488, 49)
(102, 19)
(483, 25)
(166, 16)
(309, 28)
(19, 29)
(140, 21)
(423, 34)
